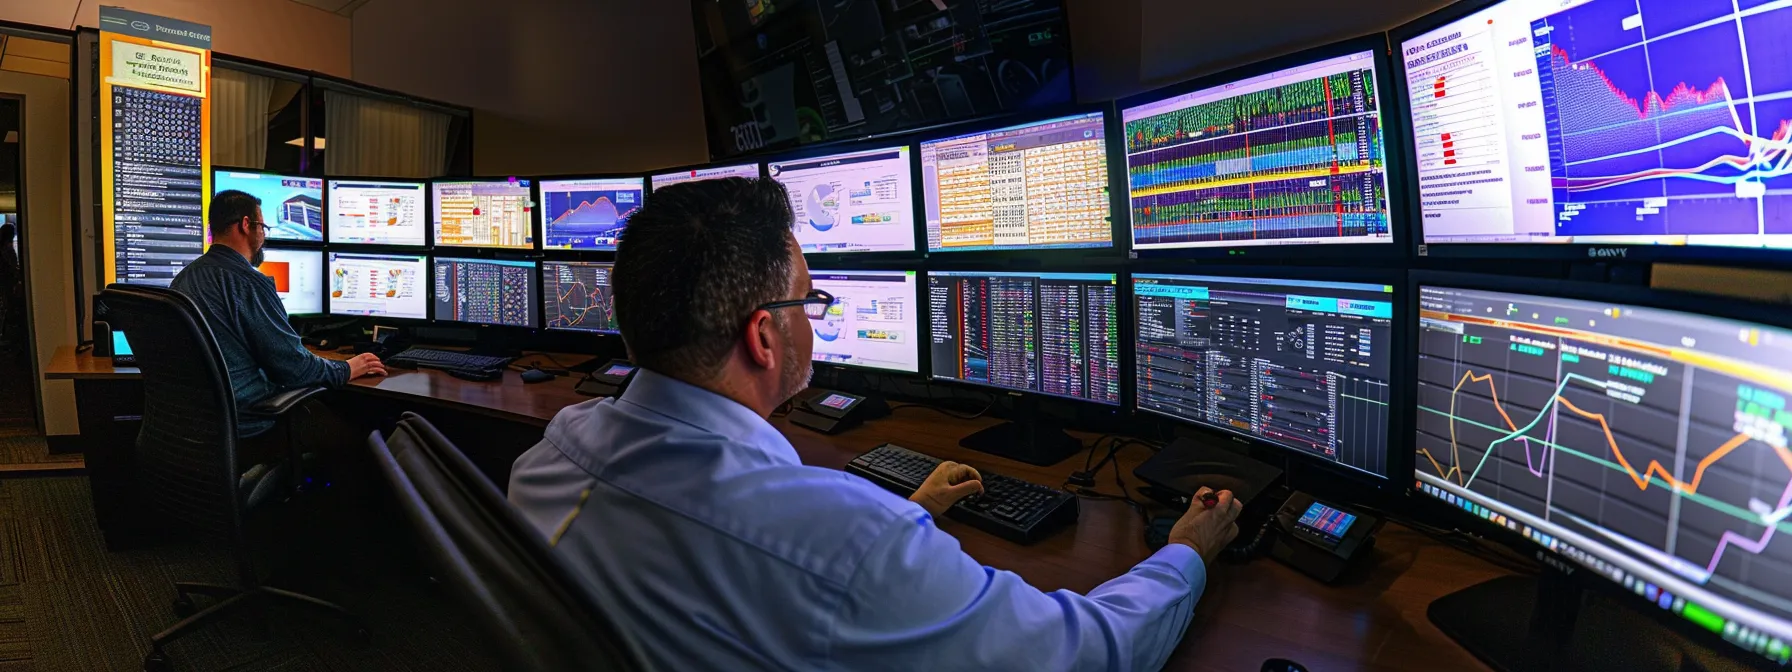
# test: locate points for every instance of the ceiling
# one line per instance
(37, 57)
(343, 7)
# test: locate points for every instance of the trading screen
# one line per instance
(298, 278)
(158, 165)
(1605, 121)
(746, 170)
(1041, 185)
(1303, 365)
(1290, 157)
(380, 285)
(1051, 333)
(875, 321)
(855, 202)
(588, 214)
(292, 206)
(576, 296)
(490, 213)
(485, 291)
(1648, 444)
(375, 213)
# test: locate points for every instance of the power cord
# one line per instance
(943, 411)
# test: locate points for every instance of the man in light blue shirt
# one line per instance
(682, 509)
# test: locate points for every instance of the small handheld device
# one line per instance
(608, 380)
(1321, 539)
(831, 412)
(121, 350)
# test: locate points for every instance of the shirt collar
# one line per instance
(709, 412)
(228, 256)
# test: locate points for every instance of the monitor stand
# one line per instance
(1551, 622)
(1031, 437)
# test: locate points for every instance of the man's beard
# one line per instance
(261, 254)
(796, 372)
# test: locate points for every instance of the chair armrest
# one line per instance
(277, 404)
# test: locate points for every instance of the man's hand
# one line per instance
(1207, 530)
(948, 483)
(364, 365)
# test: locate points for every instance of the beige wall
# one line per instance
(46, 225)
(276, 31)
(558, 86)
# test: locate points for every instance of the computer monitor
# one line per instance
(1638, 436)
(589, 213)
(379, 285)
(298, 278)
(1034, 186)
(291, 205)
(875, 322)
(663, 180)
(482, 213)
(485, 291)
(859, 201)
(375, 212)
(576, 296)
(1538, 122)
(1304, 365)
(1055, 334)
(1291, 156)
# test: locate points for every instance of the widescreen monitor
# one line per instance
(1035, 186)
(376, 212)
(485, 291)
(1289, 157)
(875, 322)
(291, 205)
(746, 170)
(482, 213)
(854, 202)
(576, 296)
(298, 278)
(1598, 122)
(1303, 365)
(1055, 334)
(379, 285)
(1647, 444)
(587, 214)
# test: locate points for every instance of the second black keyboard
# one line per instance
(446, 359)
(1010, 508)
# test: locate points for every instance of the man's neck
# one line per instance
(237, 246)
(723, 385)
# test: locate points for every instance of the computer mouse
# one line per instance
(537, 376)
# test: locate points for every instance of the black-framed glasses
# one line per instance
(815, 304)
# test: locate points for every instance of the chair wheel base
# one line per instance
(157, 661)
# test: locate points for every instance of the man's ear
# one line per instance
(759, 340)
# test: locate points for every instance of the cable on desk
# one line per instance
(564, 369)
(1116, 443)
(942, 410)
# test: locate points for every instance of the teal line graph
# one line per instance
(1553, 396)
(1372, 401)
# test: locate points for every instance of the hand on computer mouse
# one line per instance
(1207, 529)
(948, 483)
(365, 364)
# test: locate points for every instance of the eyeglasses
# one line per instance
(815, 304)
(263, 224)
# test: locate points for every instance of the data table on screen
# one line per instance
(1034, 186)
(376, 213)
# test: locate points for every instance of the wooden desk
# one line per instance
(1374, 619)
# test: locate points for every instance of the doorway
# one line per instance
(22, 445)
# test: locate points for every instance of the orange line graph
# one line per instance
(607, 307)
(1455, 457)
(1655, 468)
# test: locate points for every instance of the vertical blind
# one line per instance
(240, 118)
(375, 138)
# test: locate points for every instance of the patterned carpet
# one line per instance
(66, 603)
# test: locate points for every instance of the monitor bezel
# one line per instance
(541, 308)
(429, 277)
(1123, 293)
(538, 211)
(535, 297)
(1604, 252)
(1028, 258)
(743, 160)
(534, 226)
(323, 276)
(1633, 295)
(428, 227)
(1401, 222)
(922, 326)
(323, 192)
(918, 227)
(1396, 458)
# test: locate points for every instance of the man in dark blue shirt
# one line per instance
(240, 304)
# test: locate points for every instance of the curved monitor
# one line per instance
(853, 202)
(746, 170)
(376, 212)
(482, 213)
(298, 278)
(1035, 186)
(588, 213)
(1544, 122)
(291, 205)
(1289, 157)
(874, 323)
(1056, 334)
(576, 296)
(379, 285)
(493, 292)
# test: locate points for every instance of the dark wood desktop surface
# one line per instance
(1373, 619)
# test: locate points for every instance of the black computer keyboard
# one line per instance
(1009, 508)
(446, 360)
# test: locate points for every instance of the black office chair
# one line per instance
(497, 565)
(185, 458)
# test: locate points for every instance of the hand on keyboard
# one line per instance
(948, 483)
